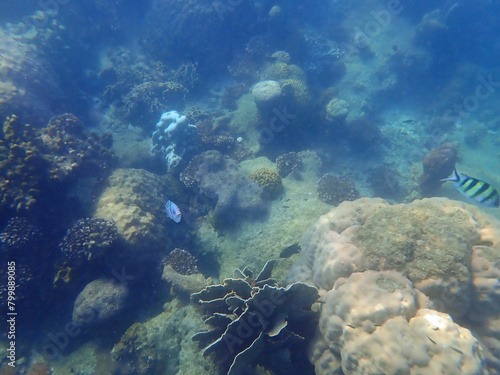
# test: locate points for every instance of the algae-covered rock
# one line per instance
(163, 344)
(134, 199)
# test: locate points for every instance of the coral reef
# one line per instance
(336, 189)
(29, 86)
(19, 234)
(219, 178)
(134, 199)
(163, 344)
(277, 320)
(438, 164)
(88, 239)
(269, 181)
(181, 262)
(100, 301)
(288, 163)
(72, 151)
(375, 322)
(63, 151)
(173, 138)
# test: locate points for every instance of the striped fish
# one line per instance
(474, 189)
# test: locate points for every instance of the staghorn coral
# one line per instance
(277, 319)
(181, 261)
(336, 189)
(100, 301)
(269, 181)
(288, 163)
(438, 164)
(88, 239)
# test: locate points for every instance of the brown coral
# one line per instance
(182, 262)
(288, 163)
(439, 163)
(269, 181)
(336, 189)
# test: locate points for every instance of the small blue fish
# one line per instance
(474, 189)
(173, 211)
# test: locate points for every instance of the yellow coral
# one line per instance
(269, 181)
(298, 92)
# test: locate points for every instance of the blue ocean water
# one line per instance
(255, 118)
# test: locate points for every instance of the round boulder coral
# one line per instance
(266, 94)
(337, 111)
(269, 181)
(336, 189)
(100, 301)
(377, 323)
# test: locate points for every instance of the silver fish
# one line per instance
(173, 211)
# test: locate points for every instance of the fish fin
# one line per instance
(454, 177)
